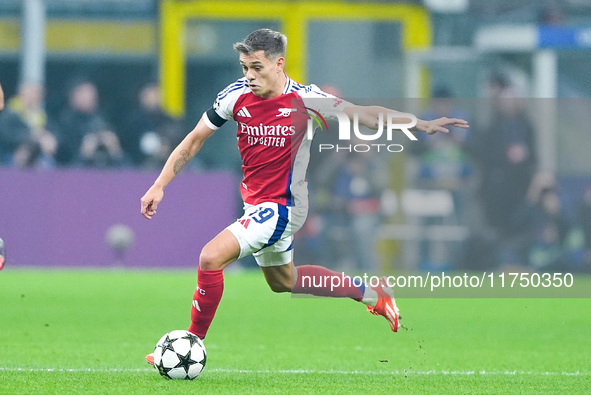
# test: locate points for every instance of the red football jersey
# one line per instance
(272, 138)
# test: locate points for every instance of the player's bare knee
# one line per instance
(209, 259)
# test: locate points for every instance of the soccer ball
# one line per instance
(180, 355)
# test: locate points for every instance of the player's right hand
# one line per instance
(150, 201)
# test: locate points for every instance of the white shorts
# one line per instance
(266, 231)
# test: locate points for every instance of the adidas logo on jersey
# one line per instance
(244, 222)
(243, 112)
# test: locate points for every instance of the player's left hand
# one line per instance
(149, 202)
(439, 125)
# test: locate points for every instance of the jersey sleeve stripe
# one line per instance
(239, 81)
(296, 86)
(232, 88)
(213, 120)
(315, 89)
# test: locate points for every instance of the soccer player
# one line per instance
(267, 106)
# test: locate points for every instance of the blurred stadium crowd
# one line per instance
(80, 135)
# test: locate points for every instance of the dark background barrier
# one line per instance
(61, 218)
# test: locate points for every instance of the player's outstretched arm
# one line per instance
(177, 160)
(369, 117)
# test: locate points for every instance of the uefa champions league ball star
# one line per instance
(180, 355)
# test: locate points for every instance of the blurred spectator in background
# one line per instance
(509, 161)
(555, 243)
(496, 85)
(551, 14)
(443, 164)
(30, 155)
(443, 160)
(150, 134)
(354, 183)
(85, 137)
(506, 154)
(24, 129)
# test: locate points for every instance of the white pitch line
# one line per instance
(310, 371)
(89, 370)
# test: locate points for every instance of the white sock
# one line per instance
(370, 297)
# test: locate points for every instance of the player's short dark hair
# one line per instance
(270, 41)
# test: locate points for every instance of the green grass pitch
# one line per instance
(69, 331)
